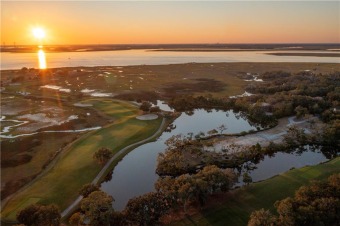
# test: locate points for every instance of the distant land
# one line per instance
(336, 54)
(173, 47)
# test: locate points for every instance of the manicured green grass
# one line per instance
(241, 202)
(76, 166)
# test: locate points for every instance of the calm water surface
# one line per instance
(139, 57)
(135, 174)
(282, 162)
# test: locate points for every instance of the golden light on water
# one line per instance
(42, 59)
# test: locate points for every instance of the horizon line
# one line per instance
(216, 43)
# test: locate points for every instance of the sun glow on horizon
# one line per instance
(38, 33)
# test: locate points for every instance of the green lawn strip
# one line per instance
(236, 209)
(76, 166)
(113, 108)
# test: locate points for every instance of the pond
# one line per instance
(135, 174)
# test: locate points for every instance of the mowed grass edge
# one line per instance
(76, 166)
(236, 209)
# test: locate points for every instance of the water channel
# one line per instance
(135, 174)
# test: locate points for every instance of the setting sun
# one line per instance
(38, 33)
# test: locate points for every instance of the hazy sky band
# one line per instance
(102, 22)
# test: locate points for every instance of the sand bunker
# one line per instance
(82, 105)
(101, 94)
(147, 117)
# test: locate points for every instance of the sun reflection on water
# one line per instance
(42, 59)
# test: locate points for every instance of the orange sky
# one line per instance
(110, 22)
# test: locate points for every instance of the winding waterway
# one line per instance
(135, 174)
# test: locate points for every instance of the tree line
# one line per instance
(312, 205)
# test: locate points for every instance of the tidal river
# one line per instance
(139, 57)
(135, 174)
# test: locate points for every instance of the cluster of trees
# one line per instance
(186, 155)
(175, 160)
(302, 83)
(147, 107)
(139, 96)
(313, 205)
(147, 209)
(87, 189)
(39, 215)
(96, 209)
(196, 187)
(189, 103)
(300, 93)
(102, 155)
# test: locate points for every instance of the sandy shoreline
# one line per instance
(263, 138)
